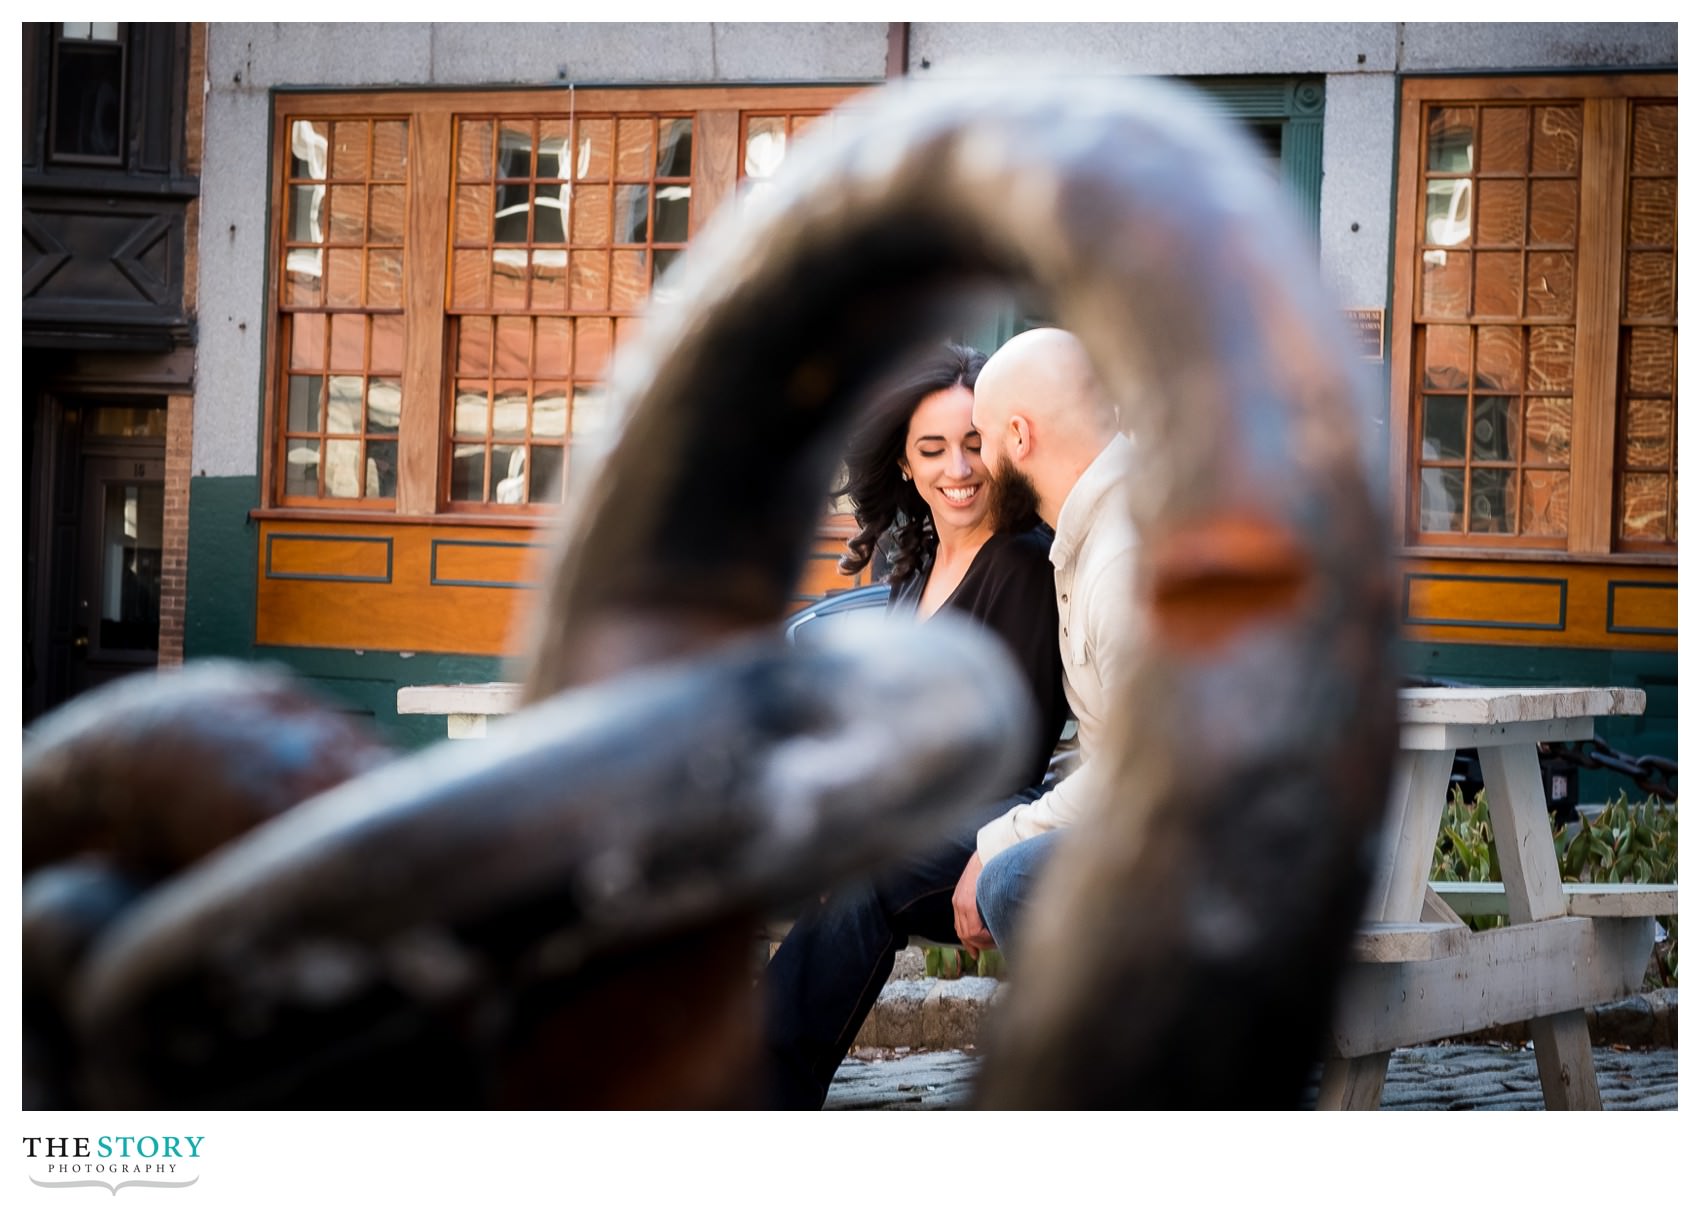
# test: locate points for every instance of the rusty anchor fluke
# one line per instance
(560, 915)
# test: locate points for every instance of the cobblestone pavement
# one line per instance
(1469, 1077)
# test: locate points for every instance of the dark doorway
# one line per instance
(93, 545)
(116, 625)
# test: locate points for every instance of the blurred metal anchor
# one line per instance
(554, 918)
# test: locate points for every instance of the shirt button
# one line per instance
(1065, 597)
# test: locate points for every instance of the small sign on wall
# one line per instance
(1368, 326)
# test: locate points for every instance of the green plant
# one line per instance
(1629, 844)
(1464, 853)
(952, 962)
(1624, 844)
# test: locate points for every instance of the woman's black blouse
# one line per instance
(1010, 588)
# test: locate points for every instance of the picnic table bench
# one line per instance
(1418, 973)
(468, 706)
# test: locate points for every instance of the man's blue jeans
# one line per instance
(827, 974)
(1006, 886)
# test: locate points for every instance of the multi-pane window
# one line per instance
(764, 140)
(1539, 289)
(560, 228)
(343, 330)
(1497, 306)
(453, 273)
(1646, 490)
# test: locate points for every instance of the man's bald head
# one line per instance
(1044, 375)
(1039, 410)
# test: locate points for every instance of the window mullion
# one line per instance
(430, 155)
(714, 176)
(1599, 285)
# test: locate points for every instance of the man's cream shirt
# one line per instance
(1097, 631)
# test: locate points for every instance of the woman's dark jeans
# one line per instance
(1006, 887)
(827, 974)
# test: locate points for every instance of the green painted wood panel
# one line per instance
(220, 613)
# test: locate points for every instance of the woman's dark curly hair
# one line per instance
(886, 505)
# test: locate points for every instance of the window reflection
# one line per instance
(383, 406)
(513, 151)
(1451, 140)
(309, 144)
(1442, 488)
(673, 157)
(133, 522)
(545, 479)
(1491, 502)
(380, 470)
(1448, 212)
(764, 147)
(342, 469)
(510, 488)
(555, 229)
(466, 474)
(513, 212)
(1490, 432)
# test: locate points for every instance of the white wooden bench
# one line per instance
(468, 706)
(1420, 973)
(1580, 900)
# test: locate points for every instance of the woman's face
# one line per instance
(942, 454)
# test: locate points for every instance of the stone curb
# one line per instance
(934, 1015)
(930, 1013)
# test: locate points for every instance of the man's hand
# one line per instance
(972, 932)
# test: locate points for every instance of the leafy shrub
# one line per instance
(1625, 844)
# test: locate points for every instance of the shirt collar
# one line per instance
(1085, 501)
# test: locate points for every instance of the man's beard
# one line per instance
(1013, 502)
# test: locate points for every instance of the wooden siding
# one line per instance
(1551, 604)
(341, 583)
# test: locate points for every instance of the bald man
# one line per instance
(1063, 449)
(1051, 442)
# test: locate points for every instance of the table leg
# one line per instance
(1352, 1084)
(1528, 863)
(1565, 1057)
(1416, 801)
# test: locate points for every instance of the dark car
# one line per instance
(810, 625)
(806, 628)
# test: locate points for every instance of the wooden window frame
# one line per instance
(1626, 391)
(331, 311)
(1605, 101)
(122, 42)
(617, 312)
(422, 441)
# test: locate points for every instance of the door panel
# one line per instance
(116, 602)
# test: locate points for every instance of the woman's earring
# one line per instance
(905, 476)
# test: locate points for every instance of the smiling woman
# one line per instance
(894, 520)
(918, 487)
(941, 456)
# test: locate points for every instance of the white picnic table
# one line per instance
(1419, 973)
